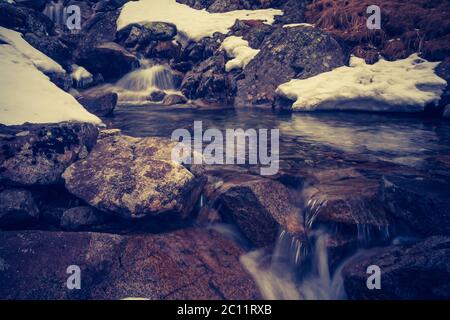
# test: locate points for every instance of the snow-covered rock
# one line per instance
(195, 24)
(26, 94)
(81, 76)
(406, 85)
(241, 52)
(40, 60)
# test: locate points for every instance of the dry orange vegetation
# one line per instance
(408, 26)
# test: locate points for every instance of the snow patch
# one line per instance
(406, 85)
(241, 52)
(26, 94)
(40, 60)
(196, 24)
(294, 25)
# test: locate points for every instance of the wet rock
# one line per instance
(24, 20)
(260, 208)
(157, 96)
(37, 154)
(196, 52)
(109, 59)
(100, 104)
(134, 178)
(17, 208)
(208, 81)
(186, 264)
(252, 31)
(345, 198)
(422, 204)
(164, 50)
(408, 272)
(81, 217)
(173, 99)
(288, 53)
(143, 34)
(100, 28)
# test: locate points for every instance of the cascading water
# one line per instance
(137, 85)
(300, 269)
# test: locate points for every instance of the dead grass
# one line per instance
(408, 26)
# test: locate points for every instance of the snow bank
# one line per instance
(196, 24)
(26, 94)
(40, 60)
(400, 86)
(240, 50)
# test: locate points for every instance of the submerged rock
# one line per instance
(408, 272)
(37, 154)
(186, 264)
(17, 208)
(134, 178)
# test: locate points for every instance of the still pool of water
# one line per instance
(404, 139)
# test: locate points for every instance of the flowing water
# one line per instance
(295, 270)
(136, 86)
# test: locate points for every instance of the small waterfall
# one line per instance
(136, 86)
(300, 269)
(156, 77)
(283, 277)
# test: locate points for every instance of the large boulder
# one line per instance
(17, 208)
(288, 53)
(109, 59)
(134, 178)
(408, 272)
(100, 104)
(422, 204)
(37, 154)
(186, 264)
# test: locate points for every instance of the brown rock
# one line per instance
(134, 177)
(186, 264)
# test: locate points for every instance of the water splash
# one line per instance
(289, 276)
